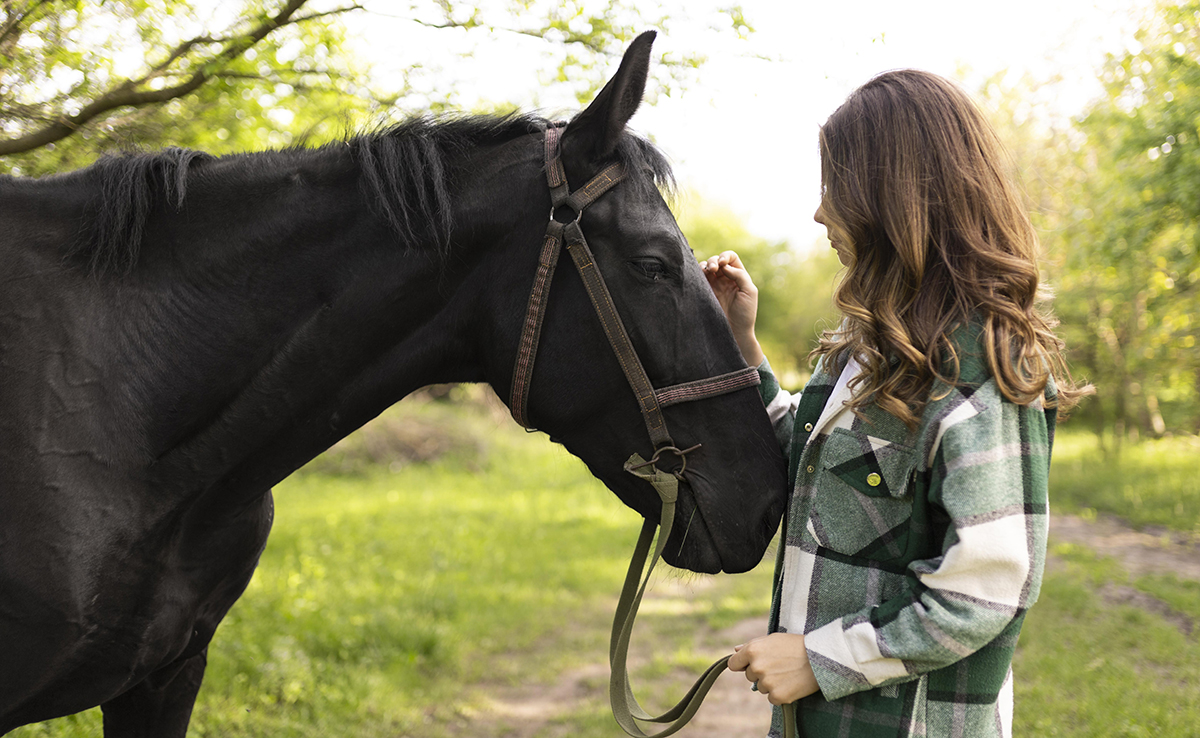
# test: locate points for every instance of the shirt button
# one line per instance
(874, 479)
(808, 427)
(811, 469)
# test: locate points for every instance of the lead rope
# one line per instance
(625, 707)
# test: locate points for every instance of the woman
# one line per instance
(916, 531)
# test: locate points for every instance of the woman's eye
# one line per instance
(652, 269)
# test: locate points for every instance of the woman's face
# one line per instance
(837, 237)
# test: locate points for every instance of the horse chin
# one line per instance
(695, 551)
(692, 545)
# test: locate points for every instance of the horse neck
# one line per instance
(299, 318)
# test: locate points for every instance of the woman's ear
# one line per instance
(594, 132)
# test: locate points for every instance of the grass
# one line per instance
(1091, 664)
(1153, 483)
(396, 597)
(1087, 666)
(389, 600)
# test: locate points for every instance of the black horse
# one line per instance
(180, 332)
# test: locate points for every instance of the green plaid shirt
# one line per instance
(910, 557)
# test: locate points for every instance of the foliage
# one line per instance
(1116, 196)
(583, 37)
(1153, 483)
(1146, 141)
(79, 76)
(795, 289)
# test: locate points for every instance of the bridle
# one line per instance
(651, 401)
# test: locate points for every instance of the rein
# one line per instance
(651, 401)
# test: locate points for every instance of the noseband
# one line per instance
(566, 212)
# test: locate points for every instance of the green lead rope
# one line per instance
(625, 706)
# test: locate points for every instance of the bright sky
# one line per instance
(744, 136)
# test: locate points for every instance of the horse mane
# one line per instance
(405, 176)
(404, 170)
(129, 186)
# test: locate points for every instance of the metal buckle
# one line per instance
(554, 209)
(682, 454)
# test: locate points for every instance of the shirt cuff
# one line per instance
(768, 387)
(846, 660)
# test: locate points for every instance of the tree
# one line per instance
(581, 36)
(1140, 265)
(1116, 196)
(78, 75)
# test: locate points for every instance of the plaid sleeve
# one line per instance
(988, 464)
(781, 405)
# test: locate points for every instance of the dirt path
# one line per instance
(1140, 552)
(733, 711)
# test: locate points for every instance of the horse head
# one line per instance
(732, 492)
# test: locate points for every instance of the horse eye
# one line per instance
(652, 269)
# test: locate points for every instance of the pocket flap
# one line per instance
(874, 466)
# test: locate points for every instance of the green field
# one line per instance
(1088, 666)
(390, 601)
(398, 598)
(1151, 483)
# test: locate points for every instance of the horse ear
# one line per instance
(598, 128)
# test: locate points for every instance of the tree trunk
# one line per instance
(1156, 425)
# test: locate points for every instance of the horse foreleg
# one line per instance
(160, 706)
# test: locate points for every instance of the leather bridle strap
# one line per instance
(625, 707)
(650, 400)
(635, 374)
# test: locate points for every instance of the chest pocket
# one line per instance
(863, 498)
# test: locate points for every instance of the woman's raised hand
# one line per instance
(738, 296)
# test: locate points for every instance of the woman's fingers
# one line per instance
(728, 264)
(738, 297)
(730, 258)
(740, 277)
(778, 666)
(741, 657)
(779, 698)
(723, 259)
(738, 661)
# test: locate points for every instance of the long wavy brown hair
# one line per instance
(915, 180)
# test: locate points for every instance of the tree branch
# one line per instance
(538, 33)
(127, 93)
(186, 46)
(15, 17)
(323, 14)
(178, 52)
(282, 75)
